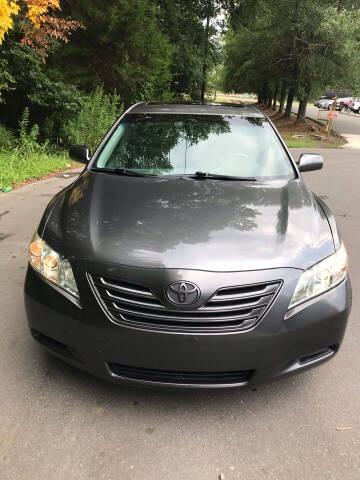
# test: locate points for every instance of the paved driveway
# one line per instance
(57, 423)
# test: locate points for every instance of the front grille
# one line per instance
(229, 309)
(180, 378)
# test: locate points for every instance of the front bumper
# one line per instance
(280, 344)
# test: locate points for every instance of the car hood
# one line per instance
(182, 223)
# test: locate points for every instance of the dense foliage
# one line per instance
(143, 49)
(74, 66)
(97, 112)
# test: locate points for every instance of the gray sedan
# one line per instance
(189, 253)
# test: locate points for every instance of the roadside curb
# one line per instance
(350, 114)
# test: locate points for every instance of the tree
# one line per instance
(329, 53)
(281, 42)
(7, 11)
(209, 10)
(39, 24)
(121, 48)
(180, 23)
(193, 31)
(27, 84)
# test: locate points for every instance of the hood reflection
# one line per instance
(193, 224)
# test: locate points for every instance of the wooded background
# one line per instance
(69, 68)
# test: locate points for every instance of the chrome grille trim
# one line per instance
(244, 292)
(134, 291)
(131, 302)
(186, 316)
(138, 306)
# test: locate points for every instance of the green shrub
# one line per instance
(27, 143)
(7, 138)
(98, 112)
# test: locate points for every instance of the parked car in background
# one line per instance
(324, 103)
(343, 104)
(355, 105)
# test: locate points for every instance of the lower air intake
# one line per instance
(180, 378)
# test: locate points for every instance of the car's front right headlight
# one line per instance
(51, 265)
(321, 277)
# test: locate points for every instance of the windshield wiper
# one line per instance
(124, 171)
(216, 176)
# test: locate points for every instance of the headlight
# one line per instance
(51, 265)
(321, 277)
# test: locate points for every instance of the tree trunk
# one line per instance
(289, 103)
(282, 97)
(275, 97)
(206, 50)
(302, 108)
(269, 101)
(263, 95)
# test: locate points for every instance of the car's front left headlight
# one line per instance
(51, 265)
(321, 277)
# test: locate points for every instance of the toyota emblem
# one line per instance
(183, 293)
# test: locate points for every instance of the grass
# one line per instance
(300, 142)
(18, 168)
(307, 142)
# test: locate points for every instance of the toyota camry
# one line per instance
(189, 252)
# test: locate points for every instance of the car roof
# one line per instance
(197, 108)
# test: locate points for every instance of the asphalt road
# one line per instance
(345, 124)
(57, 423)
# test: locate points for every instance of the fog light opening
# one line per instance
(312, 357)
(54, 345)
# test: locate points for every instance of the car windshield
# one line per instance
(170, 144)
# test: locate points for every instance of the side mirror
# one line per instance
(80, 153)
(310, 161)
